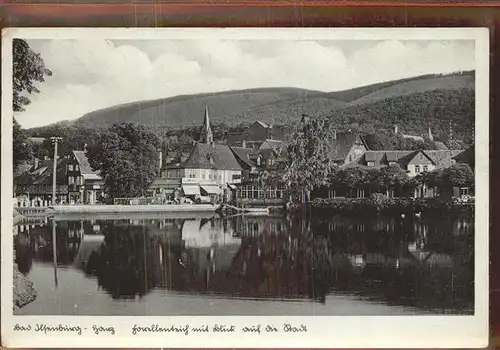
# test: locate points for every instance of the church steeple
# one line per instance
(429, 133)
(206, 135)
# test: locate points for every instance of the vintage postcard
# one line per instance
(317, 187)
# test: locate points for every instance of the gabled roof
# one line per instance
(42, 175)
(442, 158)
(222, 156)
(243, 154)
(264, 125)
(343, 143)
(382, 158)
(83, 162)
(467, 156)
(275, 145)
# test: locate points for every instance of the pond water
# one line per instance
(248, 266)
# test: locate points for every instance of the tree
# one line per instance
(28, 68)
(349, 179)
(127, 157)
(21, 146)
(457, 175)
(390, 177)
(269, 179)
(310, 157)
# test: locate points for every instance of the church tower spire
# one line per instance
(429, 135)
(206, 135)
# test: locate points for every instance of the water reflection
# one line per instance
(424, 264)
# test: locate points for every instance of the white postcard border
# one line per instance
(334, 331)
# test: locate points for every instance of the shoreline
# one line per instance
(120, 209)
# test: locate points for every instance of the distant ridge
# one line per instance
(281, 105)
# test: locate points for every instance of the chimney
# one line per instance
(36, 162)
(244, 144)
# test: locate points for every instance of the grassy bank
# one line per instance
(383, 205)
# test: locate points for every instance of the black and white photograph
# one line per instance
(247, 173)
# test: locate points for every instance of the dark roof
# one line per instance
(382, 158)
(276, 145)
(83, 162)
(370, 156)
(243, 154)
(262, 124)
(442, 158)
(467, 156)
(223, 157)
(343, 143)
(42, 175)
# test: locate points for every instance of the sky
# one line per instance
(91, 74)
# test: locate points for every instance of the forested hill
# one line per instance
(232, 107)
(412, 103)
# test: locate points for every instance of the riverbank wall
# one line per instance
(121, 209)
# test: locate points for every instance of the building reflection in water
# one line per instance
(427, 264)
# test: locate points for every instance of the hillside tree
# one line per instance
(127, 158)
(309, 157)
(28, 69)
(20, 145)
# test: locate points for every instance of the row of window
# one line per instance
(210, 176)
(77, 180)
(253, 192)
(418, 171)
(73, 167)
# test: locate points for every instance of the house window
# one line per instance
(70, 167)
(350, 158)
(371, 163)
(77, 168)
(417, 169)
(464, 191)
(392, 163)
(71, 180)
(236, 176)
(426, 168)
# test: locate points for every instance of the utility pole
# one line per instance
(55, 140)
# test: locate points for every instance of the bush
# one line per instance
(378, 203)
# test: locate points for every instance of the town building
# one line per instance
(257, 133)
(208, 170)
(413, 162)
(35, 186)
(85, 185)
(348, 147)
